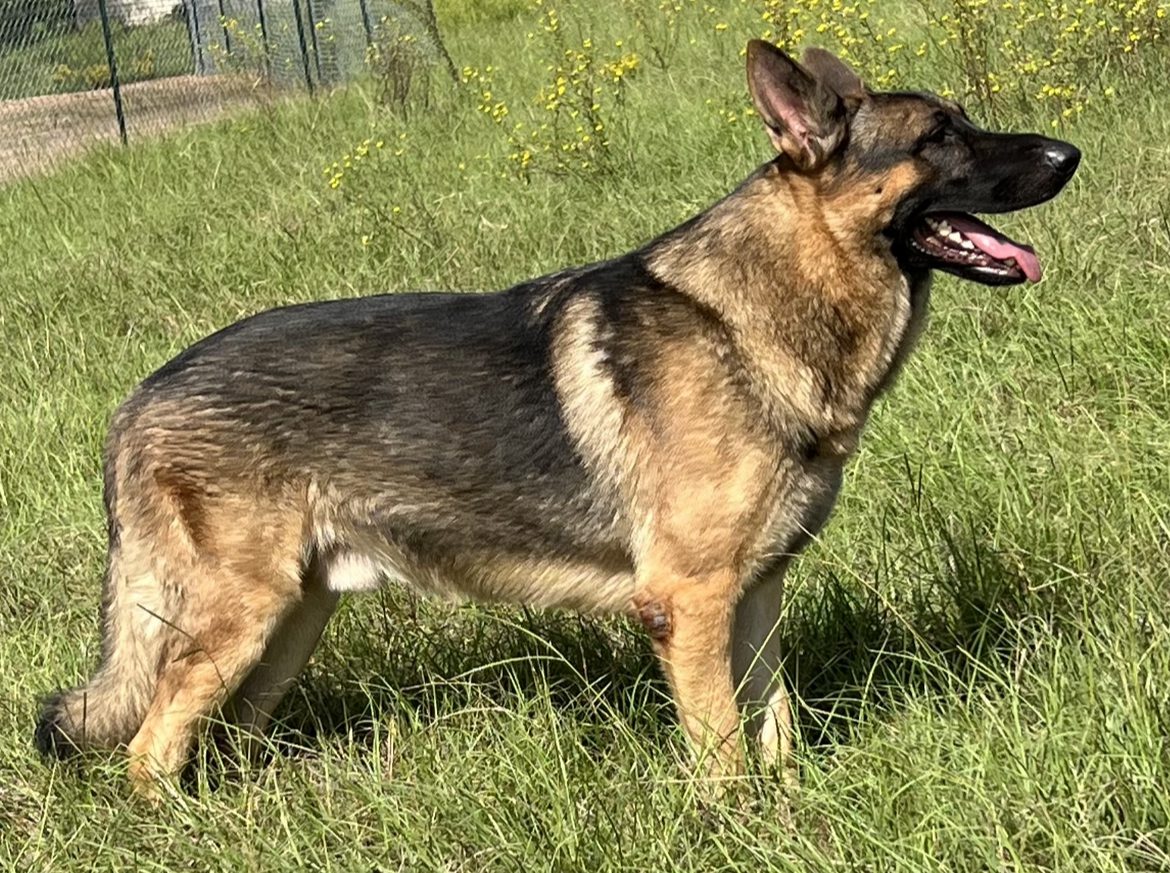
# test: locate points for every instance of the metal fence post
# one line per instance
(192, 35)
(366, 22)
(264, 37)
(313, 36)
(301, 41)
(113, 65)
(223, 23)
(200, 62)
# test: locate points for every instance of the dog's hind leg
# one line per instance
(757, 659)
(213, 651)
(288, 651)
(239, 580)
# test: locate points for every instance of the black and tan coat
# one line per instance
(656, 435)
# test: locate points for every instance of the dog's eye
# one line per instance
(939, 131)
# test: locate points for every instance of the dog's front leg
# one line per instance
(757, 659)
(689, 619)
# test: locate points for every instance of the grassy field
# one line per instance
(979, 642)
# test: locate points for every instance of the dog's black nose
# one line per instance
(1063, 158)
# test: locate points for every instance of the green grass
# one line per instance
(76, 60)
(980, 642)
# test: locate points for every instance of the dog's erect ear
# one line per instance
(806, 119)
(836, 75)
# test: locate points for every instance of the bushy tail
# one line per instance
(107, 712)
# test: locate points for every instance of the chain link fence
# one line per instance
(75, 72)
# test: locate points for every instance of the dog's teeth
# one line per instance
(966, 243)
(955, 237)
(944, 228)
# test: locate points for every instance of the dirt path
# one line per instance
(37, 132)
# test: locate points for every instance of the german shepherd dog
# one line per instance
(656, 435)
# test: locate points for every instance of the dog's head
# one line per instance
(909, 167)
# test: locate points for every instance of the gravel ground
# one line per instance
(38, 132)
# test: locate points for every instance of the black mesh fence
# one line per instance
(74, 72)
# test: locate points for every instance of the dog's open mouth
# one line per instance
(963, 245)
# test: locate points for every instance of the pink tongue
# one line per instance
(997, 245)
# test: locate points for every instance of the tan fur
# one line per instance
(739, 500)
(289, 649)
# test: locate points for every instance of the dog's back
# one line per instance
(435, 412)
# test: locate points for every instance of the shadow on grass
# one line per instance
(954, 615)
(941, 620)
(399, 657)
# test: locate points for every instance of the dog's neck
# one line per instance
(808, 287)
